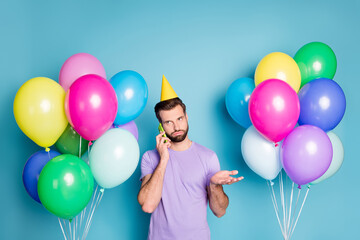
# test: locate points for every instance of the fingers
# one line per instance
(234, 180)
(160, 139)
(233, 172)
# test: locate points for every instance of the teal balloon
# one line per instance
(237, 100)
(114, 157)
(65, 186)
(337, 159)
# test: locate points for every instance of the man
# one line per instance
(179, 177)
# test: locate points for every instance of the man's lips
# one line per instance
(177, 133)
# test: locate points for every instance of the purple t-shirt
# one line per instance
(181, 213)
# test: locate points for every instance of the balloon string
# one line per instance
(100, 195)
(79, 146)
(91, 205)
(74, 228)
(282, 201)
(302, 205)
(70, 229)
(290, 204)
(65, 228)
(272, 195)
(62, 229)
(294, 211)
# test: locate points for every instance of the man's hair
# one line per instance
(168, 105)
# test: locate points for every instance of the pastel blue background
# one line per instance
(201, 47)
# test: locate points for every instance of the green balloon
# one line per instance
(69, 142)
(65, 186)
(315, 60)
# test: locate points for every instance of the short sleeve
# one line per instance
(213, 167)
(147, 167)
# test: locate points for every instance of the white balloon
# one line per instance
(260, 154)
(114, 157)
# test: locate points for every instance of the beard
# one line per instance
(178, 138)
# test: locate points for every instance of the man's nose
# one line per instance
(176, 126)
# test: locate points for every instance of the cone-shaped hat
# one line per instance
(167, 92)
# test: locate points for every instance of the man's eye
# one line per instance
(180, 118)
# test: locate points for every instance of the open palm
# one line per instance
(224, 177)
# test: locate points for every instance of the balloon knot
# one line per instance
(102, 190)
(90, 143)
(299, 187)
(271, 183)
(47, 149)
(276, 144)
(308, 186)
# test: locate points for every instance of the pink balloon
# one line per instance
(274, 109)
(91, 106)
(78, 65)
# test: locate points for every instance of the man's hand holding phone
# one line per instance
(162, 144)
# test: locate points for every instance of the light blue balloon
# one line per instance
(114, 157)
(132, 94)
(261, 155)
(237, 100)
(337, 159)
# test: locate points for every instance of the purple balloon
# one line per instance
(322, 104)
(131, 127)
(306, 154)
(32, 170)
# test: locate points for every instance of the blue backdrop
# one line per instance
(201, 47)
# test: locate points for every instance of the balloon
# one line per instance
(132, 94)
(32, 170)
(91, 106)
(306, 154)
(274, 109)
(337, 158)
(131, 127)
(78, 65)
(322, 103)
(260, 155)
(114, 157)
(39, 110)
(279, 66)
(65, 186)
(237, 100)
(315, 60)
(69, 142)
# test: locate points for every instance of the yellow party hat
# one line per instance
(167, 92)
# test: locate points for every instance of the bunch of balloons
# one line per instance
(83, 107)
(289, 127)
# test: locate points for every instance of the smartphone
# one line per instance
(161, 129)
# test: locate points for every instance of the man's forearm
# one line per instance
(218, 200)
(150, 193)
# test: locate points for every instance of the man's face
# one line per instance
(175, 123)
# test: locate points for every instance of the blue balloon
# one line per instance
(322, 104)
(33, 168)
(237, 100)
(132, 94)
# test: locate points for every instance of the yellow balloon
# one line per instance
(279, 66)
(39, 110)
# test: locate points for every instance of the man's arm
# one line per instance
(151, 188)
(218, 200)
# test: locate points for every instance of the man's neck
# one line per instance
(181, 146)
